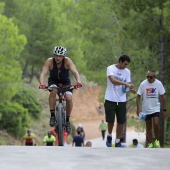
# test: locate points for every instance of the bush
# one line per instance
(14, 118)
(28, 100)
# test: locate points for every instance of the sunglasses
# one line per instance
(150, 77)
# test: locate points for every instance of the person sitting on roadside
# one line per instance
(88, 144)
(78, 140)
(29, 137)
(49, 139)
(136, 144)
(53, 131)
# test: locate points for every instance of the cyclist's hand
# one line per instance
(78, 85)
(42, 86)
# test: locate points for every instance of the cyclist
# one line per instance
(53, 131)
(49, 139)
(59, 67)
(29, 137)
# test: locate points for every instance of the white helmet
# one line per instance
(79, 125)
(59, 50)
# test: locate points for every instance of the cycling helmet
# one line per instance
(59, 50)
(29, 131)
(79, 125)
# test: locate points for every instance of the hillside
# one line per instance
(84, 111)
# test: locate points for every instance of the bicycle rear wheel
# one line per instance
(60, 128)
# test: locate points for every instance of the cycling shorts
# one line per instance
(149, 117)
(50, 82)
(115, 108)
(29, 144)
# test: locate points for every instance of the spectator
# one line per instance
(118, 83)
(88, 144)
(49, 139)
(29, 138)
(136, 144)
(81, 130)
(151, 94)
(78, 140)
(100, 110)
(103, 128)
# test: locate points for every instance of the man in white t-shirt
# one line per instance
(152, 92)
(118, 82)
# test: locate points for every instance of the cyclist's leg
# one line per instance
(69, 103)
(69, 107)
(52, 103)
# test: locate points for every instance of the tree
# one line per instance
(11, 45)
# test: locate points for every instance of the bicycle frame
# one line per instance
(61, 109)
(61, 113)
(60, 119)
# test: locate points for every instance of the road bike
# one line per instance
(60, 108)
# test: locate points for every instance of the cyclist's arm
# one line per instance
(73, 69)
(44, 71)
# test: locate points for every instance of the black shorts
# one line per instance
(51, 82)
(115, 108)
(149, 117)
(29, 144)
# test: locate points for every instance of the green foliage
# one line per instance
(46, 26)
(2, 5)
(11, 45)
(137, 123)
(29, 101)
(14, 118)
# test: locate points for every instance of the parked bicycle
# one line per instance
(60, 121)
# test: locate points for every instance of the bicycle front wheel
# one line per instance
(60, 128)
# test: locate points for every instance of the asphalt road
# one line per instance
(130, 135)
(82, 158)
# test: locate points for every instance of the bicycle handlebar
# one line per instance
(61, 88)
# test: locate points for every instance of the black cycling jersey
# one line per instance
(59, 76)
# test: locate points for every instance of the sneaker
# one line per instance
(109, 141)
(68, 127)
(118, 145)
(150, 145)
(156, 144)
(52, 121)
